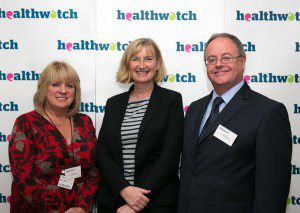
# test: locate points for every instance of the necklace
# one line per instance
(57, 124)
(52, 113)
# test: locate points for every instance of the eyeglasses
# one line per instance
(225, 59)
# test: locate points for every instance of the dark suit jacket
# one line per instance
(251, 176)
(157, 151)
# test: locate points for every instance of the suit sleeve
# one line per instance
(104, 161)
(22, 152)
(273, 162)
(167, 164)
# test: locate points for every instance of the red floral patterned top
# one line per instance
(38, 153)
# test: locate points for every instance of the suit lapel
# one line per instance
(199, 117)
(119, 114)
(238, 102)
(152, 107)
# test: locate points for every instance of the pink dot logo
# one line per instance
(188, 48)
(69, 46)
(9, 14)
(128, 16)
(8, 137)
(10, 77)
(247, 78)
(248, 17)
(186, 108)
(8, 199)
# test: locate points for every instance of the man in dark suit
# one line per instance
(237, 143)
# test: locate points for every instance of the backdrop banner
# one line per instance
(92, 35)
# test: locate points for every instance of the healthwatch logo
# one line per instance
(9, 106)
(271, 78)
(91, 45)
(297, 44)
(91, 107)
(296, 109)
(32, 13)
(295, 170)
(9, 45)
(293, 200)
(4, 168)
(180, 78)
(267, 16)
(4, 137)
(296, 139)
(151, 15)
(200, 46)
(19, 76)
(4, 198)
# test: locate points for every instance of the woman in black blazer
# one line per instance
(140, 140)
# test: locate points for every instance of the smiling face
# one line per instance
(59, 97)
(143, 65)
(224, 76)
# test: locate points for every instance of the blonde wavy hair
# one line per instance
(123, 74)
(57, 71)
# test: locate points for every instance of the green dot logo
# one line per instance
(291, 17)
(112, 46)
(288, 201)
(171, 78)
(290, 79)
(172, 16)
(53, 14)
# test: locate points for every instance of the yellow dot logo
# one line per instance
(291, 17)
(171, 78)
(291, 79)
(172, 16)
(53, 14)
(288, 201)
(112, 47)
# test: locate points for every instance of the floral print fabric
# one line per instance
(38, 153)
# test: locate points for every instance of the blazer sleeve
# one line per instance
(104, 161)
(273, 162)
(167, 164)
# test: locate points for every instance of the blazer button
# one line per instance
(195, 174)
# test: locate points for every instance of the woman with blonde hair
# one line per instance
(51, 150)
(140, 140)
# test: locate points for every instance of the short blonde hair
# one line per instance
(57, 71)
(123, 74)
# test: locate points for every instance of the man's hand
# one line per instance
(135, 198)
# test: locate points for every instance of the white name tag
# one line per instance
(64, 183)
(67, 177)
(225, 135)
(72, 173)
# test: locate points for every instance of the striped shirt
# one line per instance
(134, 114)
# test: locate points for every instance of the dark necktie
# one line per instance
(213, 114)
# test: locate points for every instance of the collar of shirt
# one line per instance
(227, 96)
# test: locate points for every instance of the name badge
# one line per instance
(72, 173)
(67, 177)
(64, 183)
(225, 135)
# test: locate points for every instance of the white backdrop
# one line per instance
(92, 34)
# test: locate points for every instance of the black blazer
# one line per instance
(251, 176)
(157, 152)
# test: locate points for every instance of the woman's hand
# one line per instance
(135, 198)
(125, 209)
(75, 210)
